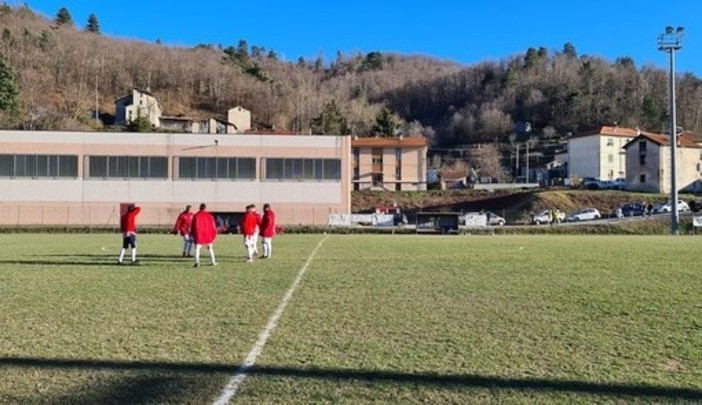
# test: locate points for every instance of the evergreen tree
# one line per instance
(330, 121)
(63, 17)
(569, 50)
(385, 124)
(8, 87)
(140, 124)
(372, 61)
(93, 24)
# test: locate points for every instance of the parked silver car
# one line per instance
(544, 217)
(493, 219)
(585, 214)
(667, 207)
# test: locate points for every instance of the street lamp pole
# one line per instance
(669, 42)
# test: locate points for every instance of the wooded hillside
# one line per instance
(58, 67)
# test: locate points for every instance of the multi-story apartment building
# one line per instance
(600, 153)
(395, 164)
(649, 163)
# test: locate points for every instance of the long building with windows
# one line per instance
(71, 178)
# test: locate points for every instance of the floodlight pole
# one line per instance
(669, 42)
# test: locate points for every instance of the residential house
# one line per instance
(398, 163)
(197, 126)
(649, 163)
(599, 153)
(138, 104)
(143, 103)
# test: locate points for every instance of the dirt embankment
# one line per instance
(515, 206)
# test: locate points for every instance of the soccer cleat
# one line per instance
(214, 264)
(197, 265)
(249, 260)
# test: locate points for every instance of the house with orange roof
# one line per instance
(600, 152)
(648, 163)
(396, 164)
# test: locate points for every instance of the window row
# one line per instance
(156, 167)
(38, 166)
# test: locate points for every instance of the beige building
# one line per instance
(395, 164)
(600, 153)
(648, 163)
(71, 178)
(138, 104)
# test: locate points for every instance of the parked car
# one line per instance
(493, 219)
(630, 210)
(590, 183)
(585, 214)
(544, 217)
(620, 184)
(667, 207)
(606, 185)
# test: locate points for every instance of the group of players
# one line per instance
(200, 229)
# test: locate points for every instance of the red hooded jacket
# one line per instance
(268, 224)
(204, 228)
(183, 223)
(249, 223)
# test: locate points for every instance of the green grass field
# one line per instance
(404, 319)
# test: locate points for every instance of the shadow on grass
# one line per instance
(434, 380)
(102, 260)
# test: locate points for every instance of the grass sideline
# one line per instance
(378, 318)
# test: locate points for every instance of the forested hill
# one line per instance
(56, 65)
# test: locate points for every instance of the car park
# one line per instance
(585, 214)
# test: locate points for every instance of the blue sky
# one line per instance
(462, 31)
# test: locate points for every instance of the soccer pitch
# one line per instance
(353, 319)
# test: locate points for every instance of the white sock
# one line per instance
(265, 249)
(134, 255)
(270, 249)
(212, 254)
(249, 251)
(197, 253)
(121, 254)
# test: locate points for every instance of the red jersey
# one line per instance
(268, 224)
(249, 224)
(127, 223)
(183, 223)
(204, 229)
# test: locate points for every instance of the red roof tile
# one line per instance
(401, 142)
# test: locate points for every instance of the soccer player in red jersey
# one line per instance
(204, 232)
(248, 228)
(182, 227)
(267, 230)
(128, 228)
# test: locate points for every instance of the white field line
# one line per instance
(237, 379)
